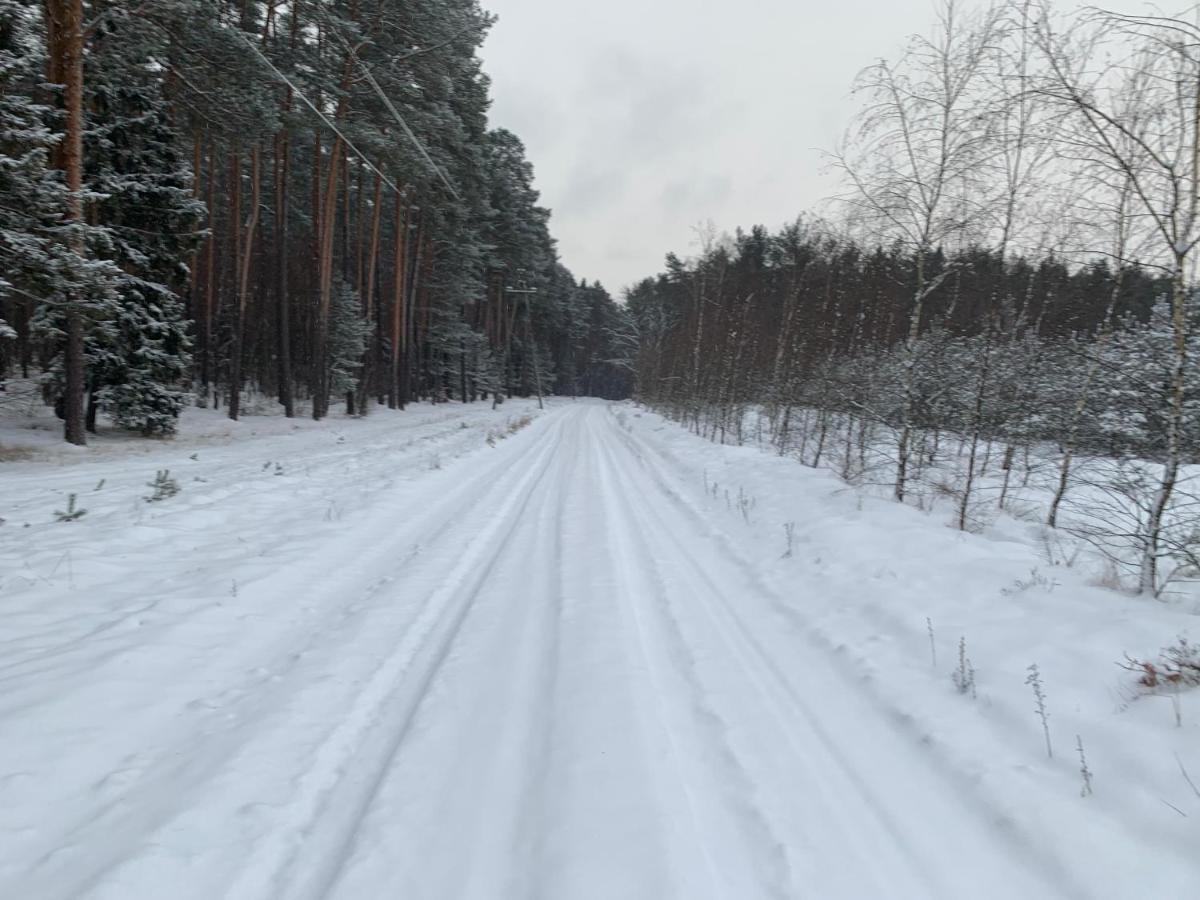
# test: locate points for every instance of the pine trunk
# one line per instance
(282, 297)
(246, 255)
(396, 398)
(325, 281)
(368, 299)
(64, 23)
(235, 233)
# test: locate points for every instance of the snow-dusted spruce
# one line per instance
(139, 358)
(71, 513)
(31, 199)
(51, 285)
(348, 335)
(163, 486)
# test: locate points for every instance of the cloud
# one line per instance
(591, 190)
(535, 115)
(648, 106)
(644, 117)
(695, 194)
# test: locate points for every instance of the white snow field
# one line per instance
(420, 656)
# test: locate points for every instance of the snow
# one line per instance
(440, 654)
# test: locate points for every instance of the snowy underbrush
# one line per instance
(29, 428)
(1100, 515)
(1069, 707)
(89, 531)
(1101, 521)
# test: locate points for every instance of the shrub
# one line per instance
(1177, 666)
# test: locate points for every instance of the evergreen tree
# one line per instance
(53, 259)
(348, 335)
(249, 168)
(140, 360)
(31, 195)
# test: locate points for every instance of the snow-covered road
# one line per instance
(536, 672)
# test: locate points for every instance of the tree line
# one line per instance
(202, 200)
(1009, 267)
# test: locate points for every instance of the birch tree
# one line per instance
(911, 164)
(1139, 119)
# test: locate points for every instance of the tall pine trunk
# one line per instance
(244, 257)
(64, 25)
(368, 298)
(396, 398)
(327, 232)
(283, 315)
(208, 357)
(235, 233)
(283, 304)
(320, 406)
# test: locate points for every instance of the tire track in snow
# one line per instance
(540, 724)
(475, 762)
(892, 841)
(109, 836)
(512, 797)
(352, 764)
(743, 856)
(922, 852)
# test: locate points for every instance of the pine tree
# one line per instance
(31, 195)
(247, 165)
(348, 336)
(54, 253)
(139, 361)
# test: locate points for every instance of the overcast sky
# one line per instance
(644, 118)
